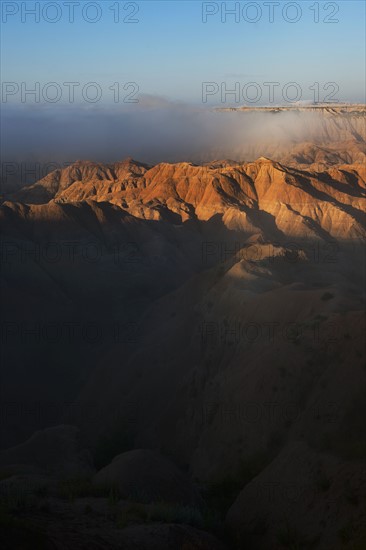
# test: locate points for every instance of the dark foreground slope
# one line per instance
(211, 313)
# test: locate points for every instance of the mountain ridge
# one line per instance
(297, 199)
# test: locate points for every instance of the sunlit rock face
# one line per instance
(300, 202)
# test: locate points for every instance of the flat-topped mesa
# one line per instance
(326, 108)
(275, 131)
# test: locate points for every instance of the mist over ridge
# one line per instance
(158, 130)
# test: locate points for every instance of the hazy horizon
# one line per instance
(89, 79)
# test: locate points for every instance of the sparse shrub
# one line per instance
(113, 496)
(18, 501)
(122, 520)
(70, 489)
(132, 514)
(82, 487)
(170, 513)
(138, 511)
(327, 296)
(163, 512)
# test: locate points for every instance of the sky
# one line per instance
(128, 58)
(169, 51)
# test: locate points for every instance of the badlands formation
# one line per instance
(262, 197)
(226, 361)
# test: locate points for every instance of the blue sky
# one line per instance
(170, 51)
